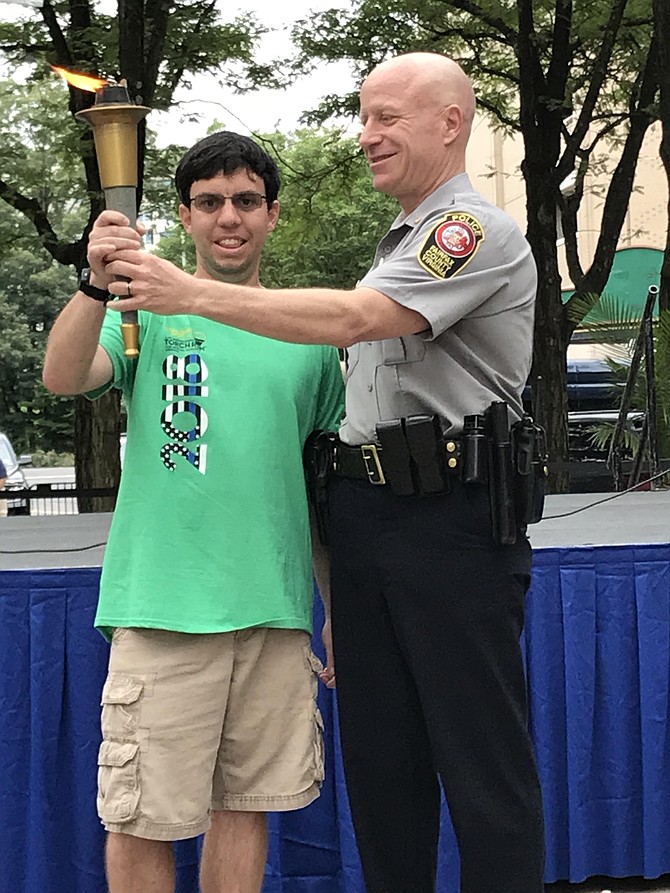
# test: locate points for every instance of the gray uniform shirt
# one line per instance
(466, 267)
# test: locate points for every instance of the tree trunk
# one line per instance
(541, 118)
(97, 428)
(550, 400)
(549, 373)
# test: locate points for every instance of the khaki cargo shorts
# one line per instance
(199, 722)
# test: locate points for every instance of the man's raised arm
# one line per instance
(75, 362)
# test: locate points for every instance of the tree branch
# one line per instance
(63, 54)
(157, 15)
(620, 188)
(597, 77)
(494, 22)
(64, 252)
(558, 71)
(511, 123)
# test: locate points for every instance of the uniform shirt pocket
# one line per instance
(394, 376)
(396, 351)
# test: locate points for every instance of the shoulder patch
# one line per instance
(451, 245)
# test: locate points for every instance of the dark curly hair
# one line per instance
(225, 152)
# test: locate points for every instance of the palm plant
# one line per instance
(612, 322)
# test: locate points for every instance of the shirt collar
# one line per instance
(438, 200)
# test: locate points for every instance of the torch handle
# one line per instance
(114, 120)
(124, 199)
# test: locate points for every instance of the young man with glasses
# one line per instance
(209, 713)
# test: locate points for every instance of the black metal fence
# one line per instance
(56, 499)
(68, 499)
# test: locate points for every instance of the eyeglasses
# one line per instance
(211, 202)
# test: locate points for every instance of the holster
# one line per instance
(318, 455)
(529, 444)
(501, 483)
(517, 472)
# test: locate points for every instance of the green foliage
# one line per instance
(187, 37)
(177, 246)
(37, 126)
(331, 219)
(159, 200)
(154, 47)
(602, 312)
(485, 39)
(39, 157)
(52, 459)
(33, 288)
(613, 321)
(601, 435)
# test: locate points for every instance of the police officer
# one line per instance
(428, 601)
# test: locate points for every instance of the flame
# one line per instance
(81, 81)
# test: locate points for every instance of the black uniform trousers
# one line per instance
(427, 613)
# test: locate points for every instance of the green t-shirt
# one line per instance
(211, 529)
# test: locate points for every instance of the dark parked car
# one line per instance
(592, 386)
(594, 395)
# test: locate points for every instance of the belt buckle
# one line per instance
(373, 466)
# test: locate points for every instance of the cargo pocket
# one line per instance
(118, 757)
(119, 701)
(314, 664)
(118, 781)
(319, 759)
(317, 732)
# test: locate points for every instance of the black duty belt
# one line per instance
(366, 462)
(414, 458)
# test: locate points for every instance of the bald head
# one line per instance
(417, 112)
(432, 78)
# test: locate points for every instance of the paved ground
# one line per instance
(602, 884)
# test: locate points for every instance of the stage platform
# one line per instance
(629, 518)
(632, 518)
(597, 649)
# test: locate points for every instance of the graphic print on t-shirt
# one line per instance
(184, 395)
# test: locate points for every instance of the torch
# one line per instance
(114, 119)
